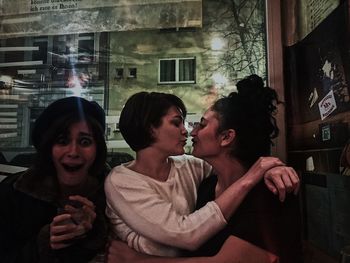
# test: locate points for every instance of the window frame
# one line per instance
(177, 71)
(275, 71)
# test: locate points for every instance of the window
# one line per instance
(86, 48)
(119, 73)
(106, 55)
(41, 52)
(177, 70)
(132, 73)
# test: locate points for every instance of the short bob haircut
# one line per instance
(61, 126)
(143, 111)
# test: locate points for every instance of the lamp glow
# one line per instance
(217, 43)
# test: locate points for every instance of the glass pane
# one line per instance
(86, 48)
(41, 52)
(186, 70)
(103, 53)
(167, 70)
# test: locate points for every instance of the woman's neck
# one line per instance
(228, 171)
(151, 163)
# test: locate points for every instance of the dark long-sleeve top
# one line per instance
(262, 220)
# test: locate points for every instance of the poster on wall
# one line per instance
(322, 69)
(309, 13)
(57, 17)
(315, 11)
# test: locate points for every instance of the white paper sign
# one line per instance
(23, 18)
(327, 105)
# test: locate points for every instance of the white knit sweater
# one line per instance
(156, 217)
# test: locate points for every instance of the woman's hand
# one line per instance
(73, 223)
(281, 180)
(257, 171)
(231, 198)
(62, 231)
(85, 215)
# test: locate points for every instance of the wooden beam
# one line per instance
(275, 71)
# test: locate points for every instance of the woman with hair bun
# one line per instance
(232, 136)
(245, 122)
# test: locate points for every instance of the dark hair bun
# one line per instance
(253, 92)
(250, 112)
(250, 85)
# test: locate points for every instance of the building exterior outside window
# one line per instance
(177, 70)
(104, 55)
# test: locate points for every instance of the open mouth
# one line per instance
(72, 168)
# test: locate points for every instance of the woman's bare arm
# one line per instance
(234, 195)
(238, 250)
(234, 250)
(183, 231)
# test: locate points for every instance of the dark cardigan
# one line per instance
(28, 206)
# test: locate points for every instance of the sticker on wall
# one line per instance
(326, 132)
(313, 97)
(310, 164)
(327, 105)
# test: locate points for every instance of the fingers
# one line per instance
(59, 245)
(286, 181)
(61, 219)
(68, 209)
(259, 168)
(90, 212)
(271, 186)
(295, 180)
(77, 220)
(88, 209)
(83, 200)
(283, 179)
(278, 183)
(68, 234)
(87, 225)
(62, 230)
(289, 178)
(63, 235)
